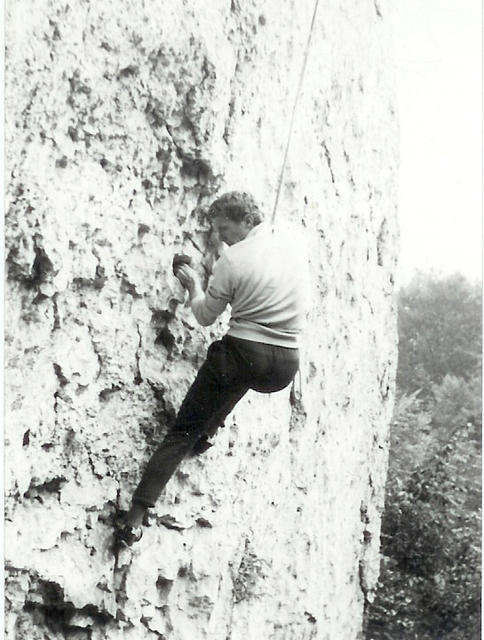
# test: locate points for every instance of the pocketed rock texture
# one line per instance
(124, 121)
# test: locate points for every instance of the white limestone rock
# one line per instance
(124, 121)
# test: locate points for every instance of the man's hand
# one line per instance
(189, 279)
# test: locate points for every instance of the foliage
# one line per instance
(456, 401)
(430, 579)
(410, 434)
(429, 586)
(439, 328)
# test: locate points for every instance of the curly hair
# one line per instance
(235, 205)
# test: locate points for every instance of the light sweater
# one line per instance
(264, 279)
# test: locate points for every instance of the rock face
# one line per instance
(125, 120)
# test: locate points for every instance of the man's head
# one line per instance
(233, 215)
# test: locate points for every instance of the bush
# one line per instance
(429, 587)
(439, 329)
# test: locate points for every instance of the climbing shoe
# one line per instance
(126, 536)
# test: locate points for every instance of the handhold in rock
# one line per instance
(166, 338)
(170, 522)
(204, 523)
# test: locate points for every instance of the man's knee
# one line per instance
(201, 445)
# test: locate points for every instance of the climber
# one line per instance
(262, 275)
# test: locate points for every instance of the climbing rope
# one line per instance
(294, 112)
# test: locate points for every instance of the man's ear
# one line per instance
(249, 220)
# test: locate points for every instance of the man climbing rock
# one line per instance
(262, 275)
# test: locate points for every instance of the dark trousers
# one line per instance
(233, 366)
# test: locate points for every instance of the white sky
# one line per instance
(439, 82)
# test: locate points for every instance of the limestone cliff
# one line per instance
(124, 120)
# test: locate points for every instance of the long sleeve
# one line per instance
(220, 291)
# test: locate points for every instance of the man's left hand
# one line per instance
(188, 277)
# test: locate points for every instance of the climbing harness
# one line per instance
(286, 152)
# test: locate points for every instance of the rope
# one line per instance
(294, 112)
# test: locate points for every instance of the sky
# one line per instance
(438, 51)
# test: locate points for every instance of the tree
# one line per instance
(439, 328)
(429, 586)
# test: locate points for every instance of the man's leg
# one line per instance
(217, 388)
(232, 367)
